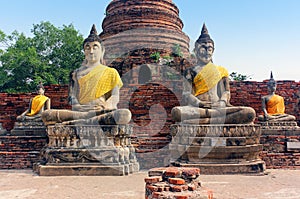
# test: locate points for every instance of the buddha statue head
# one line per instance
(204, 47)
(93, 49)
(271, 84)
(40, 89)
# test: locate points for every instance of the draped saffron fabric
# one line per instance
(98, 82)
(208, 77)
(36, 104)
(275, 105)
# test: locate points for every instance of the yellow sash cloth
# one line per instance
(98, 82)
(36, 104)
(208, 77)
(275, 105)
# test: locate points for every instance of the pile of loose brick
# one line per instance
(175, 183)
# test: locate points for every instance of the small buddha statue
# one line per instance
(273, 105)
(93, 91)
(37, 105)
(206, 92)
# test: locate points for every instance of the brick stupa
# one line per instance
(134, 31)
(136, 24)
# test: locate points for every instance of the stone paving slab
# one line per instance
(24, 184)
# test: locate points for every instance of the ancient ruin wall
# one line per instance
(247, 93)
(142, 98)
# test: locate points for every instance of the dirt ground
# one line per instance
(277, 184)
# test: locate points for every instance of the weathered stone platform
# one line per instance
(88, 150)
(29, 128)
(217, 149)
(284, 125)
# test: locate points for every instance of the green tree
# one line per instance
(48, 56)
(177, 50)
(234, 76)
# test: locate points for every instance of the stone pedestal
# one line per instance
(217, 149)
(88, 150)
(281, 141)
(284, 125)
(29, 128)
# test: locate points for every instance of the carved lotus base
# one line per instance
(88, 150)
(217, 149)
(284, 125)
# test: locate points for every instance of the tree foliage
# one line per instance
(234, 76)
(48, 56)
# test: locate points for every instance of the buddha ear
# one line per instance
(102, 55)
(196, 51)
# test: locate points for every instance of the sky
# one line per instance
(252, 37)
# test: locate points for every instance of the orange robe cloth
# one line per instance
(36, 104)
(208, 77)
(98, 82)
(275, 105)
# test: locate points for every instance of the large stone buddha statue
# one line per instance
(207, 91)
(273, 105)
(93, 91)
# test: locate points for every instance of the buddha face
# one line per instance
(93, 52)
(40, 91)
(204, 52)
(271, 86)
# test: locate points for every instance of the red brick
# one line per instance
(190, 172)
(185, 196)
(151, 188)
(153, 179)
(176, 181)
(179, 188)
(173, 172)
(156, 195)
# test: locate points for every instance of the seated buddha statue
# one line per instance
(37, 105)
(206, 94)
(273, 105)
(93, 91)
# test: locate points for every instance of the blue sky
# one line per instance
(252, 37)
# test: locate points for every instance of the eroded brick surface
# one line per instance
(186, 185)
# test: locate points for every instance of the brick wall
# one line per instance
(276, 153)
(249, 93)
(150, 134)
(12, 105)
(20, 152)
